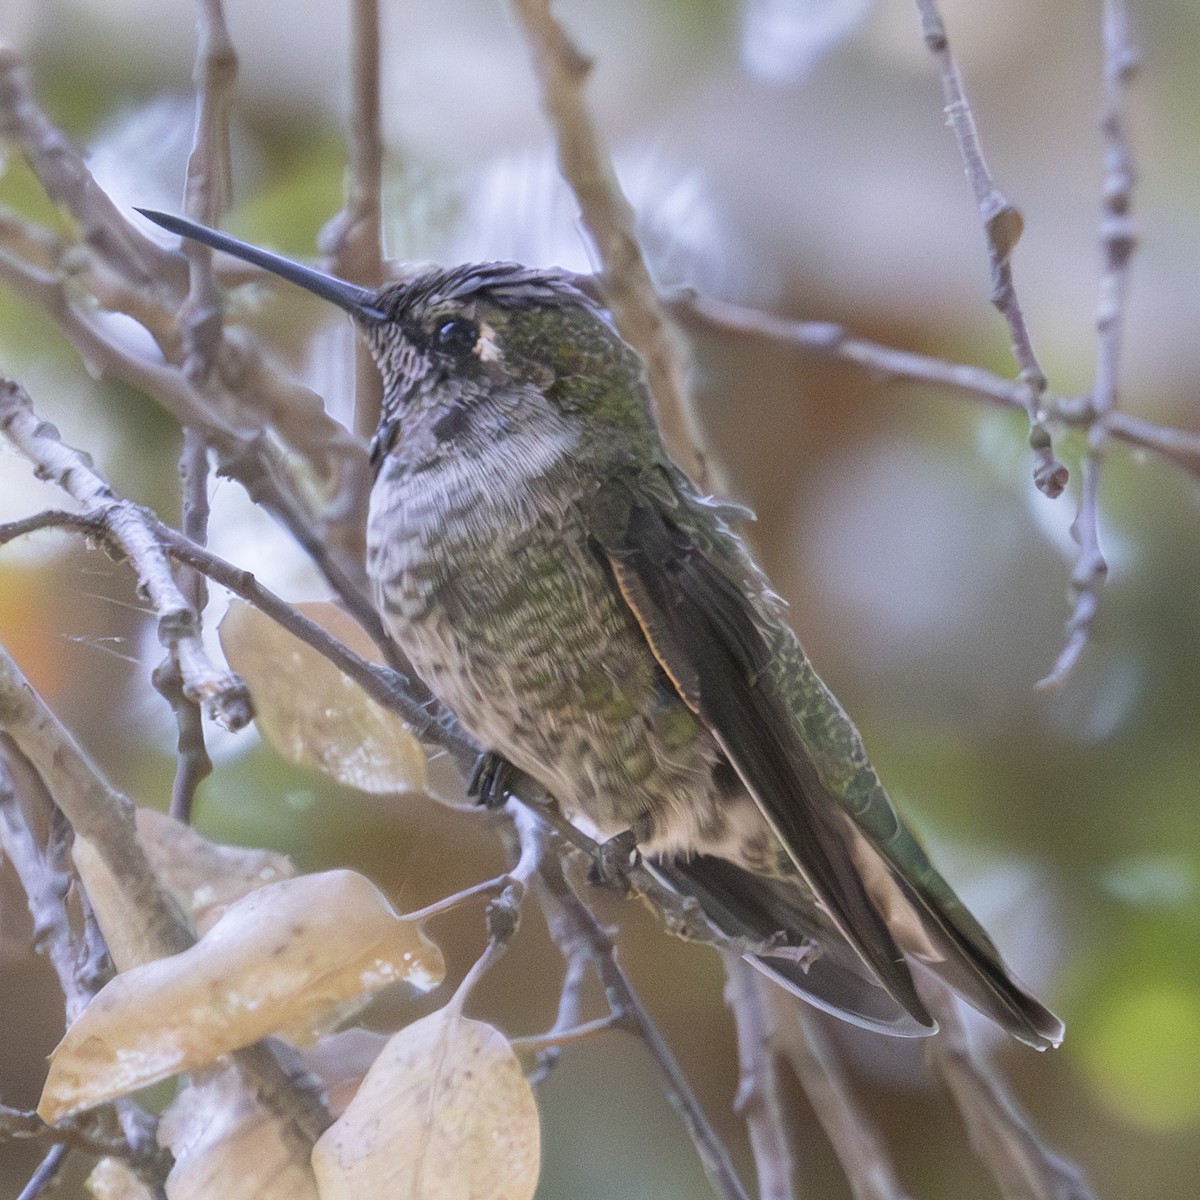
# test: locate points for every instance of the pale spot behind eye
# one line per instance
(487, 348)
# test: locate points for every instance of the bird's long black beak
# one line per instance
(360, 302)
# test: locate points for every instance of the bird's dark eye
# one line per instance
(457, 336)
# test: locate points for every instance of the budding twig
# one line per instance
(1002, 224)
(1118, 240)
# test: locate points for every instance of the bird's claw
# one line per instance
(610, 867)
(491, 779)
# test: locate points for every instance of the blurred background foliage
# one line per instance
(791, 156)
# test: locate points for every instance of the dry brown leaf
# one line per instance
(115, 1179)
(310, 712)
(444, 1113)
(205, 877)
(109, 897)
(341, 1060)
(288, 957)
(228, 1145)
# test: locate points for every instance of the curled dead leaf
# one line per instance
(227, 1144)
(115, 1179)
(340, 1061)
(288, 957)
(444, 1112)
(204, 876)
(311, 713)
(109, 896)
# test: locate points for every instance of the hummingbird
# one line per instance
(594, 620)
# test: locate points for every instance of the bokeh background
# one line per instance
(792, 156)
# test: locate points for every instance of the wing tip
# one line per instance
(899, 1022)
(1039, 1027)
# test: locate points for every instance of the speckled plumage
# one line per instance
(485, 574)
(562, 587)
(515, 458)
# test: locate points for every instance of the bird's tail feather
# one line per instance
(757, 908)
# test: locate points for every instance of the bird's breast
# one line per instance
(509, 615)
(451, 522)
(460, 552)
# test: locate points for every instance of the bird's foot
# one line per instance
(491, 780)
(610, 868)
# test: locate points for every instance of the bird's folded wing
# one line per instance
(704, 631)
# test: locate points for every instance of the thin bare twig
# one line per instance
(222, 693)
(998, 1131)
(608, 218)
(577, 933)
(354, 238)
(554, 1039)
(104, 816)
(569, 1016)
(208, 186)
(206, 197)
(448, 903)
(503, 919)
(856, 1140)
(1118, 235)
(1002, 224)
(49, 518)
(36, 839)
(67, 179)
(758, 1100)
(45, 1177)
(1118, 238)
(833, 341)
(1176, 445)
(192, 762)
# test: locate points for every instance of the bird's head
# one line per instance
(477, 352)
